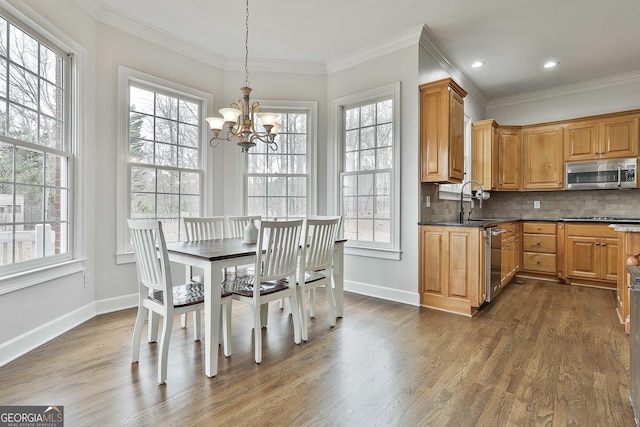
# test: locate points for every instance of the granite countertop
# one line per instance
(618, 224)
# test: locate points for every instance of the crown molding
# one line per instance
(374, 50)
(569, 89)
(430, 43)
(161, 37)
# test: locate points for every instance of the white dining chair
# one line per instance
(204, 228)
(157, 294)
(201, 228)
(316, 267)
(237, 224)
(274, 278)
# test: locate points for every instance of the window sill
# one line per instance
(125, 258)
(24, 279)
(369, 252)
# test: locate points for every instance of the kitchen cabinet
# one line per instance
(442, 132)
(542, 158)
(510, 251)
(451, 268)
(484, 153)
(591, 254)
(539, 246)
(509, 158)
(607, 137)
(629, 245)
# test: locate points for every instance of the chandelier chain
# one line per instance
(246, 48)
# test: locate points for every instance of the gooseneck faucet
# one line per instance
(479, 196)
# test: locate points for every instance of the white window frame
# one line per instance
(392, 250)
(42, 270)
(124, 253)
(311, 109)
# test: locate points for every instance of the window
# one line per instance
(35, 149)
(369, 179)
(162, 139)
(278, 182)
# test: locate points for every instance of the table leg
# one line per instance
(338, 277)
(211, 318)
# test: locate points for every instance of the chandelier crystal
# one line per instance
(238, 122)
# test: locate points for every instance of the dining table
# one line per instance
(213, 257)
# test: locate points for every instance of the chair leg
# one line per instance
(167, 325)
(183, 321)
(312, 302)
(295, 314)
(196, 324)
(226, 325)
(300, 293)
(137, 333)
(264, 314)
(257, 333)
(332, 305)
(153, 326)
(281, 303)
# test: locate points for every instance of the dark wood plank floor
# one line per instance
(541, 354)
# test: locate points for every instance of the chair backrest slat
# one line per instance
(152, 259)
(280, 242)
(204, 228)
(237, 224)
(320, 236)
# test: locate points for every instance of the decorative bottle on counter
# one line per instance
(251, 232)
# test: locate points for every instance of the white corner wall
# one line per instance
(393, 280)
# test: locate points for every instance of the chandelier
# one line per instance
(238, 122)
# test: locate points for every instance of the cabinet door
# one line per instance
(456, 137)
(619, 137)
(484, 168)
(609, 259)
(441, 132)
(509, 151)
(542, 158)
(581, 140)
(434, 247)
(583, 257)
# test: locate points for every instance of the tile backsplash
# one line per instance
(553, 204)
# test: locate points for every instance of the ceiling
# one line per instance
(591, 39)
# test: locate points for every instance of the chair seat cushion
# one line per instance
(189, 294)
(243, 285)
(313, 276)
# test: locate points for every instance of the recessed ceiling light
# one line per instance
(550, 64)
(477, 64)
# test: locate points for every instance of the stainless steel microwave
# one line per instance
(602, 174)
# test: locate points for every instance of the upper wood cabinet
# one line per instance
(610, 137)
(484, 153)
(442, 132)
(509, 152)
(542, 158)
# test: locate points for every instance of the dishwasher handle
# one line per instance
(496, 231)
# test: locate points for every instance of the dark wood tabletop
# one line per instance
(214, 250)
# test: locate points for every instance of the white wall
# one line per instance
(396, 280)
(35, 314)
(569, 102)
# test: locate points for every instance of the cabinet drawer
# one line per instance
(545, 263)
(539, 243)
(590, 230)
(539, 227)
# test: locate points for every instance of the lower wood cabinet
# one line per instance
(539, 250)
(629, 245)
(451, 272)
(510, 251)
(591, 254)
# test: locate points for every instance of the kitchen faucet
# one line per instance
(479, 196)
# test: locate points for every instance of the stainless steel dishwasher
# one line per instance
(493, 259)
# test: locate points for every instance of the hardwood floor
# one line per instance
(540, 354)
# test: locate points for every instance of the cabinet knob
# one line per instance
(597, 244)
(538, 262)
(538, 243)
(539, 228)
(604, 244)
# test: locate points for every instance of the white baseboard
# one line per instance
(34, 338)
(110, 305)
(405, 297)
